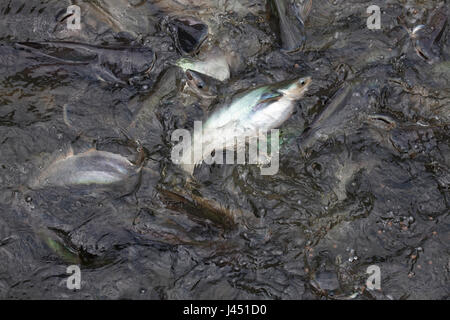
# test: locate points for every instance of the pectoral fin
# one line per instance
(267, 98)
(303, 10)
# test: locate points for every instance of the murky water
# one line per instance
(364, 174)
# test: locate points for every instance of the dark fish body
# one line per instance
(289, 18)
(188, 34)
(425, 37)
(202, 8)
(114, 63)
(119, 15)
(30, 20)
(12, 58)
(24, 20)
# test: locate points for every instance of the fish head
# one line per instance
(188, 34)
(203, 86)
(195, 80)
(294, 90)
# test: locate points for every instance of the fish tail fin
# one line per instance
(304, 11)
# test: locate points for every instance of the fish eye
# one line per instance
(302, 82)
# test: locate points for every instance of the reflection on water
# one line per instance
(86, 118)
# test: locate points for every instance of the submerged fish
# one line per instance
(204, 8)
(113, 63)
(425, 37)
(63, 251)
(93, 167)
(259, 110)
(188, 34)
(290, 17)
(134, 17)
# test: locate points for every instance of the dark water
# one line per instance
(364, 178)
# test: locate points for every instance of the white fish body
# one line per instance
(257, 111)
(92, 167)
